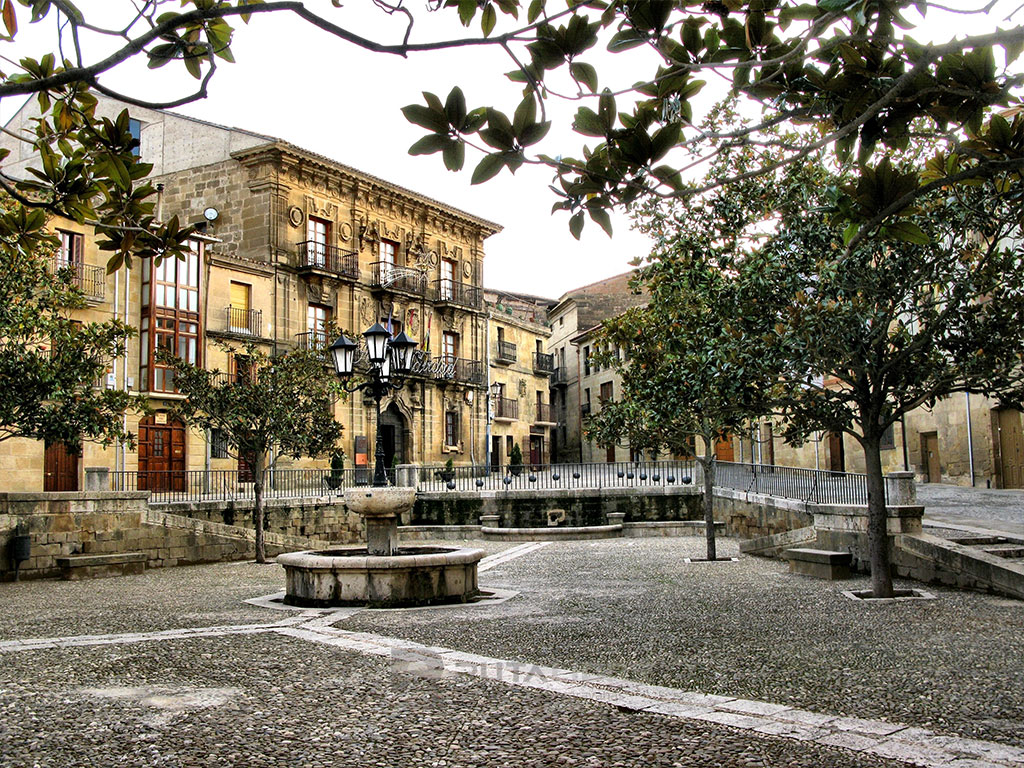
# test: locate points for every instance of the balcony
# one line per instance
(388, 277)
(90, 280)
(544, 414)
(459, 294)
(244, 322)
(543, 363)
(506, 409)
(327, 258)
(314, 341)
(584, 409)
(459, 370)
(559, 377)
(506, 352)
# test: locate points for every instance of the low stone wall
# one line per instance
(62, 524)
(556, 507)
(324, 517)
(754, 515)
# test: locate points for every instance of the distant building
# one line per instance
(572, 319)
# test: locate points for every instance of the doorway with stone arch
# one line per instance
(394, 436)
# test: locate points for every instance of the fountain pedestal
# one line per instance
(382, 574)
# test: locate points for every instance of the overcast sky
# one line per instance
(302, 85)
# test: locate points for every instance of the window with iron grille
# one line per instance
(218, 444)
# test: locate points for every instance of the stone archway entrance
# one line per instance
(393, 435)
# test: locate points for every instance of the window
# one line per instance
(451, 428)
(447, 284)
(238, 311)
(317, 316)
(508, 445)
(318, 233)
(386, 257)
(888, 439)
(586, 361)
(218, 445)
(71, 245)
(135, 129)
(395, 326)
(170, 316)
(242, 367)
(606, 395)
(501, 335)
(449, 346)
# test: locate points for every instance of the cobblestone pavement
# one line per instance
(187, 676)
(1001, 510)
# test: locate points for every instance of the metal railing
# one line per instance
(248, 322)
(329, 258)
(641, 474)
(506, 352)
(90, 280)
(559, 377)
(394, 278)
(458, 369)
(584, 409)
(463, 294)
(544, 413)
(817, 486)
(543, 362)
(810, 485)
(506, 408)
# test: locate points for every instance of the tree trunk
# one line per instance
(878, 536)
(259, 469)
(708, 465)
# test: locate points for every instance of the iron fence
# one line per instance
(630, 474)
(818, 486)
(329, 258)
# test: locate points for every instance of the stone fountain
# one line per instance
(382, 574)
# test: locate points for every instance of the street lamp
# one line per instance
(390, 362)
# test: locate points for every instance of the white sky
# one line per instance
(302, 85)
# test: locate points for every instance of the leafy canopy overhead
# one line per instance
(851, 71)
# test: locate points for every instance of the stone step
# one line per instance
(971, 541)
(1010, 551)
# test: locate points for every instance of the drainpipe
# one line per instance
(487, 396)
(817, 442)
(970, 437)
(903, 430)
(117, 297)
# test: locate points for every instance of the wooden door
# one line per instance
(836, 452)
(495, 452)
(723, 448)
(930, 457)
(1011, 448)
(161, 455)
(536, 450)
(609, 454)
(60, 468)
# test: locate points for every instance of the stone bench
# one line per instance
(820, 563)
(75, 567)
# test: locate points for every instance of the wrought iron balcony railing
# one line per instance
(544, 414)
(314, 255)
(559, 377)
(462, 294)
(90, 280)
(246, 322)
(584, 409)
(506, 352)
(506, 408)
(543, 363)
(393, 278)
(458, 369)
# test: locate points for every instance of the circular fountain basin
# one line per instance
(350, 576)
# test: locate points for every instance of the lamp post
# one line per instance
(390, 362)
(494, 394)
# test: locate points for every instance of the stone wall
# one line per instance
(321, 518)
(535, 509)
(92, 523)
(754, 515)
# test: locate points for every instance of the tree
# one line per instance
(50, 365)
(698, 361)
(846, 68)
(283, 404)
(932, 306)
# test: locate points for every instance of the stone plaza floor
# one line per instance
(611, 653)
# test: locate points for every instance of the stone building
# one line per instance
(291, 245)
(575, 316)
(521, 367)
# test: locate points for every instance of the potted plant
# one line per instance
(448, 473)
(515, 461)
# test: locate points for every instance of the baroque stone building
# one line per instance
(292, 244)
